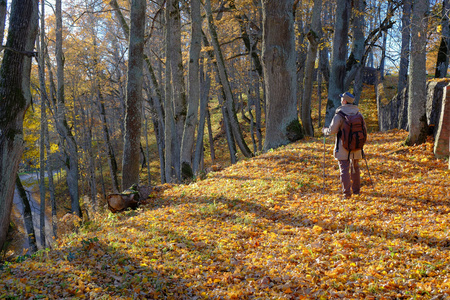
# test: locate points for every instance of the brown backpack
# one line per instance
(353, 133)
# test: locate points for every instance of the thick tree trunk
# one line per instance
(190, 125)
(13, 101)
(132, 137)
(279, 64)
(338, 60)
(417, 91)
(358, 48)
(314, 36)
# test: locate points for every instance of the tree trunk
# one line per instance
(205, 86)
(130, 162)
(358, 48)
(228, 93)
(28, 217)
(13, 101)
(112, 162)
(70, 144)
(279, 64)
(190, 125)
(44, 99)
(404, 61)
(42, 161)
(314, 36)
(44, 122)
(417, 90)
(442, 58)
(338, 60)
(3, 9)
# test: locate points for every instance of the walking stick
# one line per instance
(368, 171)
(323, 188)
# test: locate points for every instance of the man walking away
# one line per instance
(351, 133)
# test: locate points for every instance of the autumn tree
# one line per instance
(279, 62)
(314, 39)
(14, 100)
(187, 144)
(417, 92)
(132, 137)
(338, 58)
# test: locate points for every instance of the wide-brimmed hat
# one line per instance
(348, 97)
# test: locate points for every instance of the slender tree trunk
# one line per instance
(42, 191)
(442, 58)
(404, 63)
(147, 150)
(190, 125)
(417, 89)
(210, 137)
(28, 217)
(44, 122)
(3, 10)
(169, 123)
(42, 162)
(71, 151)
(314, 36)
(248, 42)
(279, 64)
(205, 86)
(130, 162)
(229, 101)
(338, 60)
(14, 101)
(383, 47)
(112, 162)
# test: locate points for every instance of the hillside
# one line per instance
(271, 227)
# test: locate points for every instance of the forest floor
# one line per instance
(271, 227)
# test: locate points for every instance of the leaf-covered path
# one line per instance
(271, 227)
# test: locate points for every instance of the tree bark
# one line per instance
(404, 61)
(187, 144)
(130, 162)
(14, 101)
(357, 49)
(314, 36)
(3, 10)
(205, 84)
(279, 65)
(442, 58)
(66, 134)
(417, 91)
(338, 60)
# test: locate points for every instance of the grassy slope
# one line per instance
(271, 227)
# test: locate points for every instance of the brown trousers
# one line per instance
(350, 176)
